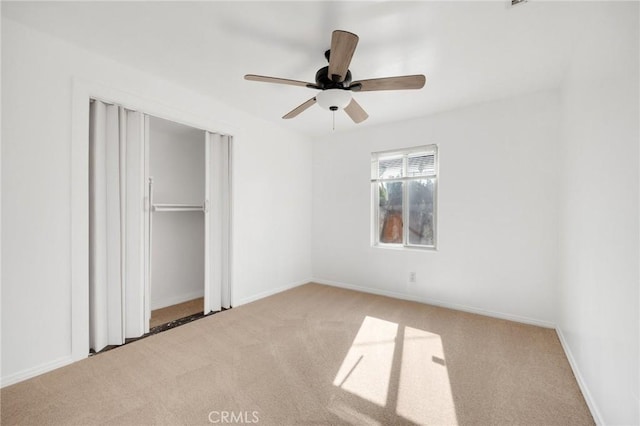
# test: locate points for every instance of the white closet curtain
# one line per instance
(115, 225)
(219, 221)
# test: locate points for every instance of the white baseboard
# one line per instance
(455, 306)
(174, 300)
(270, 292)
(581, 383)
(35, 371)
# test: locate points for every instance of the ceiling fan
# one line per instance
(334, 81)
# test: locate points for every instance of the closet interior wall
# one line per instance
(177, 157)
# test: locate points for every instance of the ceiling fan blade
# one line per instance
(343, 44)
(405, 82)
(297, 110)
(355, 111)
(265, 79)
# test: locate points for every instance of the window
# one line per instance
(403, 192)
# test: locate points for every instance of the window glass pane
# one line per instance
(389, 168)
(421, 211)
(421, 165)
(390, 213)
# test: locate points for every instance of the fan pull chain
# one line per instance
(334, 120)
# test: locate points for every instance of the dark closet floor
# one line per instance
(168, 318)
(175, 312)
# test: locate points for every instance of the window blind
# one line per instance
(390, 168)
(421, 165)
(396, 165)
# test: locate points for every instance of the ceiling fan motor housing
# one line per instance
(324, 81)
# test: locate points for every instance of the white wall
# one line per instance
(271, 190)
(176, 162)
(497, 210)
(599, 278)
(177, 166)
(177, 264)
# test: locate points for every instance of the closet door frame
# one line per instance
(83, 91)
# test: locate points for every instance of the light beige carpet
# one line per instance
(316, 355)
(174, 312)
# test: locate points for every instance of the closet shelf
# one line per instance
(178, 208)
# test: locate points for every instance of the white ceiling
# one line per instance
(471, 52)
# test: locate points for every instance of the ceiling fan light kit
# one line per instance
(333, 99)
(334, 81)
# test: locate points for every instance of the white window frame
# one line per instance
(375, 195)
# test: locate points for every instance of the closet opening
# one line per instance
(178, 208)
(159, 224)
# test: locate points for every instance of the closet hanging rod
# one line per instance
(178, 208)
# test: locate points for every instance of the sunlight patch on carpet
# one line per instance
(399, 368)
(424, 391)
(366, 369)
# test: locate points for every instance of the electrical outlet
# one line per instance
(412, 277)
